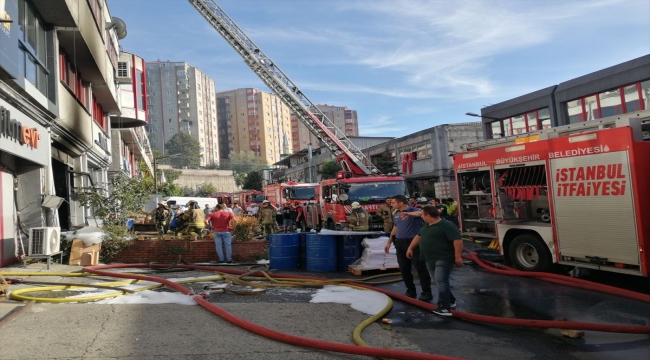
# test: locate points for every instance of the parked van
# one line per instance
(177, 200)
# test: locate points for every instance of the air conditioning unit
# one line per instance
(44, 240)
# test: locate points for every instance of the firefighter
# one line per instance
(358, 218)
(386, 213)
(267, 218)
(161, 217)
(195, 218)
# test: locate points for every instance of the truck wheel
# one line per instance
(528, 253)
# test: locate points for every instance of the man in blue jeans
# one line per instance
(222, 223)
(441, 247)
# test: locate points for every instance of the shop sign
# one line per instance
(22, 136)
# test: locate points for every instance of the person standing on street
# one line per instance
(207, 210)
(442, 209)
(405, 229)
(287, 217)
(267, 218)
(237, 210)
(385, 212)
(453, 211)
(160, 217)
(222, 223)
(300, 216)
(359, 218)
(440, 247)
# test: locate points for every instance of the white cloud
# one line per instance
(381, 125)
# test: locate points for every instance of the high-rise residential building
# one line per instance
(180, 97)
(253, 120)
(344, 118)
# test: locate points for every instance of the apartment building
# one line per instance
(180, 97)
(57, 91)
(344, 118)
(254, 120)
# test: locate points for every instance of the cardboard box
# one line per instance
(84, 255)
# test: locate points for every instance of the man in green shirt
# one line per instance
(440, 246)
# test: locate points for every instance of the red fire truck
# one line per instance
(360, 180)
(247, 197)
(335, 196)
(290, 191)
(575, 195)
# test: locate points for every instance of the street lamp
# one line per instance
(155, 175)
(481, 116)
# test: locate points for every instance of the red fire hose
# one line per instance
(397, 354)
(256, 329)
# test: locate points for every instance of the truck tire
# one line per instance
(528, 253)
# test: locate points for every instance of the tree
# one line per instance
(124, 197)
(188, 148)
(212, 166)
(253, 180)
(329, 169)
(242, 163)
(385, 163)
(205, 190)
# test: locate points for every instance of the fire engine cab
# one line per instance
(575, 195)
(290, 191)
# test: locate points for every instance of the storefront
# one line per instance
(24, 166)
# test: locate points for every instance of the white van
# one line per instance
(177, 200)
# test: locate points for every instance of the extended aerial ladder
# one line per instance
(349, 157)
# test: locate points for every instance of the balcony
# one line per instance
(183, 114)
(183, 95)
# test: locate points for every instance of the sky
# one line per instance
(403, 65)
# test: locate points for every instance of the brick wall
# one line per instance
(143, 251)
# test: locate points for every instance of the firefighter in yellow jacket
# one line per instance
(359, 218)
(386, 213)
(193, 220)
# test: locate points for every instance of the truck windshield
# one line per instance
(258, 198)
(374, 191)
(300, 193)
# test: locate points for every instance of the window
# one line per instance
(170, 111)
(624, 99)
(122, 69)
(180, 73)
(33, 45)
(98, 114)
(96, 7)
(70, 77)
(169, 102)
(140, 89)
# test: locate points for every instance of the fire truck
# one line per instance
(290, 191)
(574, 195)
(224, 198)
(359, 180)
(247, 197)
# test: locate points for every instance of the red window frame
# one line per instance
(72, 79)
(98, 114)
(621, 94)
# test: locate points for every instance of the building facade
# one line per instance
(57, 90)
(181, 97)
(129, 141)
(256, 121)
(344, 118)
(619, 89)
(424, 157)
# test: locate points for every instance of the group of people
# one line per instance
(291, 215)
(426, 238)
(182, 219)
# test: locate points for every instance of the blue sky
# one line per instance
(403, 65)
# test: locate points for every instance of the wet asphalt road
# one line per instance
(481, 292)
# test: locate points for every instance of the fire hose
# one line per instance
(287, 280)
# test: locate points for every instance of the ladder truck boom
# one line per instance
(349, 157)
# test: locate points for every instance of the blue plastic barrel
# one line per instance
(302, 253)
(284, 251)
(348, 250)
(320, 252)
